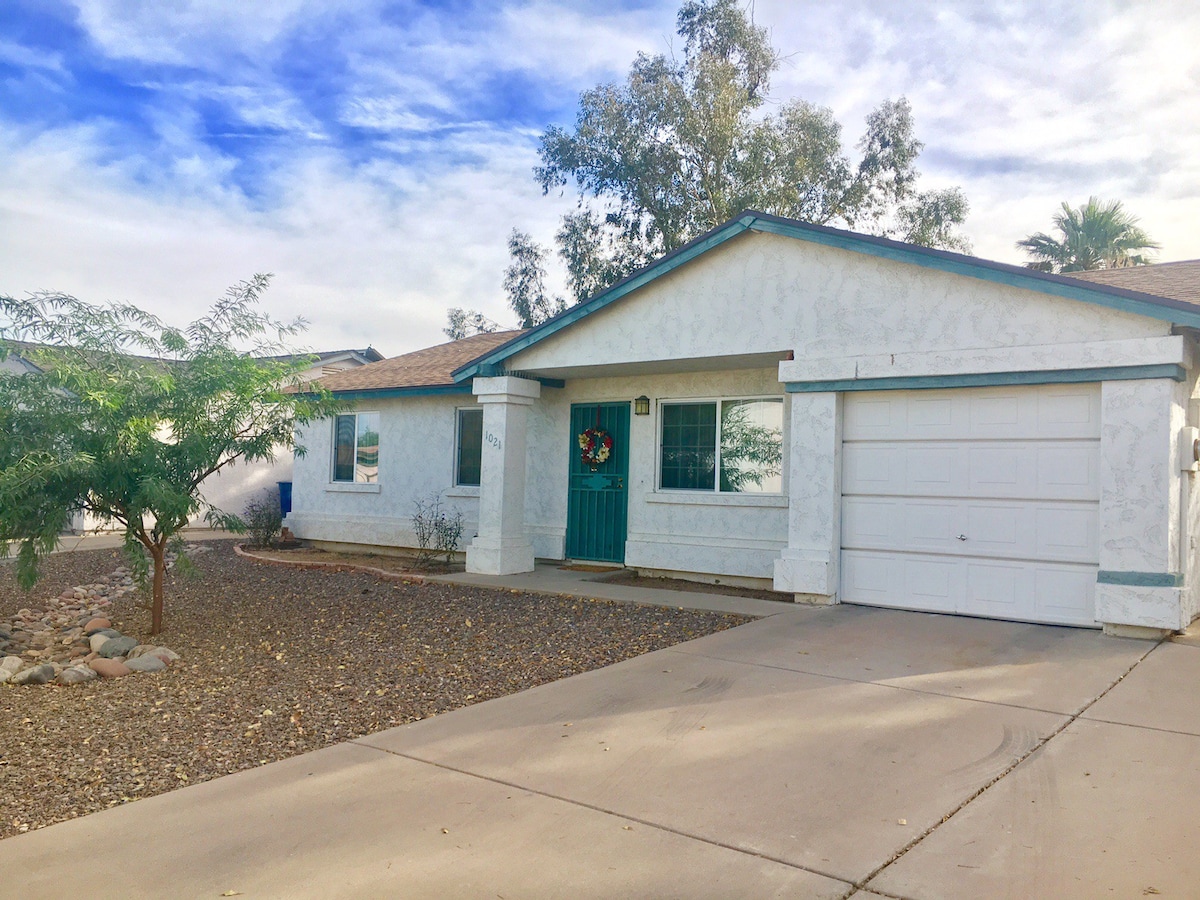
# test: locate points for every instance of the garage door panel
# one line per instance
(1007, 529)
(977, 501)
(1051, 470)
(1008, 413)
(1066, 595)
(881, 579)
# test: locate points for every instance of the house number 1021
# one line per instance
(494, 441)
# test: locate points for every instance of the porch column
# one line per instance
(809, 566)
(502, 547)
(1139, 589)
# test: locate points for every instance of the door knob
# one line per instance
(620, 483)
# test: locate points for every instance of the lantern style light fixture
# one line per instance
(641, 406)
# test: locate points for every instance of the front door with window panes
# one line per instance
(598, 496)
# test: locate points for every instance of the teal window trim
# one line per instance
(989, 379)
(1141, 579)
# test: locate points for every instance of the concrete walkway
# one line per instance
(813, 753)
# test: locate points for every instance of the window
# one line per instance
(744, 444)
(356, 448)
(470, 447)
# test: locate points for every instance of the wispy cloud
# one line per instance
(374, 153)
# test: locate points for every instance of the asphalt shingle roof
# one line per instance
(1174, 280)
(431, 367)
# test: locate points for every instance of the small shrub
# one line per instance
(263, 518)
(438, 530)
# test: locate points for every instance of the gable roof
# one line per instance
(369, 355)
(1166, 308)
(427, 371)
(1177, 280)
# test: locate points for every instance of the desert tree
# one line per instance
(128, 416)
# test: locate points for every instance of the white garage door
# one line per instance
(980, 501)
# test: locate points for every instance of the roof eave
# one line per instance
(1122, 299)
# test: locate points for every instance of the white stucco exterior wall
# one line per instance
(416, 459)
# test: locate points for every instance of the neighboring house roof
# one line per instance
(369, 355)
(1177, 280)
(427, 371)
(1158, 306)
(362, 357)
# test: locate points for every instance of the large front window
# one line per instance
(356, 448)
(730, 446)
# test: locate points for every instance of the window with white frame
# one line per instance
(469, 447)
(356, 448)
(725, 445)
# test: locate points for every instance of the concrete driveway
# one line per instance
(815, 753)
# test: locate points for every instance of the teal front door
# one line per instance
(597, 495)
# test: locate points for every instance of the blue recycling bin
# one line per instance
(285, 496)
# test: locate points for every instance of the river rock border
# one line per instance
(69, 639)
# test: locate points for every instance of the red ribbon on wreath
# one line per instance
(595, 447)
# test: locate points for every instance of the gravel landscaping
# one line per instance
(278, 661)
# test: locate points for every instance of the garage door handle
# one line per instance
(962, 537)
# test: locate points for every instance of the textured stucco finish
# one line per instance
(502, 545)
(762, 292)
(416, 459)
(717, 328)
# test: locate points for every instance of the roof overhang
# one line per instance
(1164, 309)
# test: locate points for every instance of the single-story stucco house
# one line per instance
(843, 417)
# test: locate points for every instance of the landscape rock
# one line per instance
(117, 646)
(61, 636)
(147, 663)
(96, 641)
(36, 675)
(77, 675)
(110, 668)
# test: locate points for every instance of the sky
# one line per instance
(374, 155)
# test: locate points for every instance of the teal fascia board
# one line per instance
(988, 379)
(1141, 579)
(433, 390)
(492, 362)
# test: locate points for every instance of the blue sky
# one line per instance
(374, 155)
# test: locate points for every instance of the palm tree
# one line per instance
(1097, 235)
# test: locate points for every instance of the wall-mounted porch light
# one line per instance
(641, 406)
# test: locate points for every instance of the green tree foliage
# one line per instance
(129, 416)
(1096, 235)
(525, 282)
(461, 323)
(683, 145)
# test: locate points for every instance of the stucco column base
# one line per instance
(807, 575)
(1136, 631)
(499, 558)
(1124, 605)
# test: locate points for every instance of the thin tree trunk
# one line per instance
(158, 553)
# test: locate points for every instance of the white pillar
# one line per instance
(809, 566)
(1141, 574)
(502, 547)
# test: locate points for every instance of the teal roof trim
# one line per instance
(434, 390)
(988, 379)
(1164, 309)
